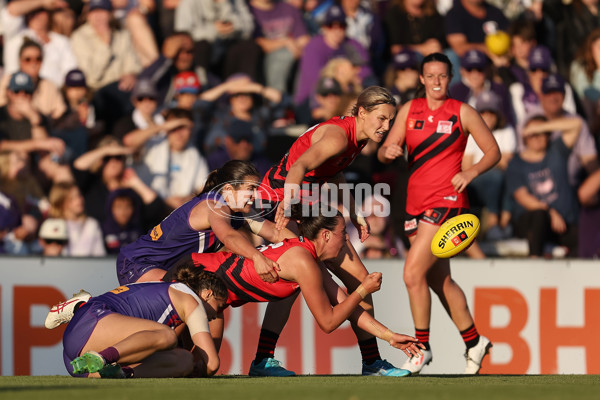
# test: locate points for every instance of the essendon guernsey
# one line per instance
(275, 178)
(243, 283)
(436, 143)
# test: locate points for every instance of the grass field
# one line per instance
(442, 387)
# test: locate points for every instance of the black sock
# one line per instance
(266, 345)
(369, 350)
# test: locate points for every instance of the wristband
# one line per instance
(362, 292)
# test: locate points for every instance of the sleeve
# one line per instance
(201, 173)
(454, 23)
(299, 27)
(585, 145)
(514, 178)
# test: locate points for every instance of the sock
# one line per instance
(423, 336)
(369, 350)
(470, 336)
(266, 345)
(128, 371)
(110, 355)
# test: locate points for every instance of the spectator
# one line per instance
(33, 17)
(282, 35)
(109, 61)
(105, 55)
(331, 42)
(402, 76)
(328, 99)
(53, 237)
(415, 25)
(46, 96)
(10, 218)
(577, 20)
(186, 96)
(237, 145)
(545, 202)
(583, 159)
(171, 165)
(364, 26)
(22, 128)
(222, 33)
(245, 100)
(144, 115)
(102, 170)
(487, 190)
(585, 78)
(525, 96)
(64, 20)
(523, 39)
(382, 242)
(475, 71)
(177, 56)
(345, 73)
(123, 220)
(469, 21)
(85, 235)
(589, 229)
(18, 182)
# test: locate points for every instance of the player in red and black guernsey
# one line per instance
(319, 156)
(132, 330)
(298, 258)
(434, 129)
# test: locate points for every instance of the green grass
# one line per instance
(442, 387)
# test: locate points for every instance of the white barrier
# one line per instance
(541, 315)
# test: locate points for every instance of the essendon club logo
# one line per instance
(461, 237)
(415, 124)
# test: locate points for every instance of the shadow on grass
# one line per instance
(44, 387)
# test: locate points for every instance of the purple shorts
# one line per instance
(80, 329)
(130, 272)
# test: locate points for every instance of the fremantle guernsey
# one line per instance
(272, 184)
(243, 283)
(173, 238)
(436, 143)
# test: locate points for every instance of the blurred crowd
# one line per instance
(113, 112)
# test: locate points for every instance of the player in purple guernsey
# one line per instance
(203, 225)
(132, 330)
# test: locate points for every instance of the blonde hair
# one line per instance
(58, 196)
(372, 97)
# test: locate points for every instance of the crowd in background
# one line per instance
(113, 112)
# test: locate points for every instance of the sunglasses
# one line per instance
(32, 59)
(118, 158)
(143, 98)
(538, 69)
(56, 241)
(336, 25)
(23, 92)
(474, 69)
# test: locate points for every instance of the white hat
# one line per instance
(54, 229)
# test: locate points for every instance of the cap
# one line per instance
(54, 229)
(240, 130)
(474, 59)
(75, 78)
(20, 81)
(488, 101)
(553, 83)
(100, 4)
(144, 88)
(328, 85)
(187, 82)
(10, 216)
(335, 14)
(406, 59)
(540, 58)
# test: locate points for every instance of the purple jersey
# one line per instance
(168, 241)
(148, 300)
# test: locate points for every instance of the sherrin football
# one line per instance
(455, 235)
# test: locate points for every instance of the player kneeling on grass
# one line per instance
(132, 331)
(299, 258)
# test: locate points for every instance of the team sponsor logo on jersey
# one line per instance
(444, 127)
(430, 118)
(410, 224)
(120, 289)
(461, 237)
(415, 124)
(451, 198)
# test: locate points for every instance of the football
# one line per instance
(455, 235)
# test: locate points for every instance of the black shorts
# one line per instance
(434, 216)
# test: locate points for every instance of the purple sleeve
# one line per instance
(299, 28)
(315, 55)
